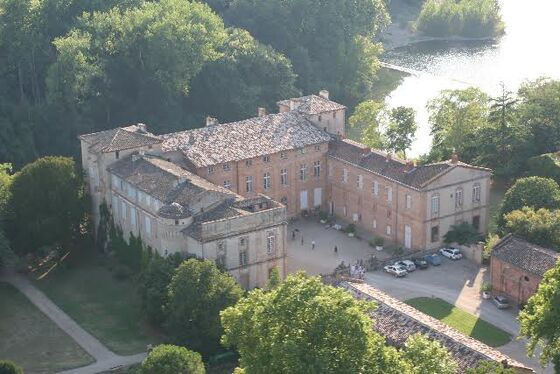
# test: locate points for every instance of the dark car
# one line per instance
(420, 263)
(501, 302)
(434, 260)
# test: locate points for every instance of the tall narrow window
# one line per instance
(388, 230)
(270, 243)
(243, 257)
(148, 226)
(133, 219)
(435, 234)
(360, 182)
(210, 170)
(317, 168)
(284, 177)
(435, 204)
(248, 163)
(389, 194)
(375, 188)
(249, 183)
(302, 171)
(266, 158)
(266, 180)
(408, 201)
(476, 193)
(344, 175)
(458, 197)
(221, 254)
(226, 167)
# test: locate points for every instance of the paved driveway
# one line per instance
(457, 282)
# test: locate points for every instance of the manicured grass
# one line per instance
(460, 320)
(108, 308)
(32, 340)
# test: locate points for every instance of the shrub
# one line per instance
(491, 241)
(486, 287)
(351, 228)
(379, 241)
(463, 234)
(8, 367)
(171, 359)
(398, 251)
(121, 272)
(323, 216)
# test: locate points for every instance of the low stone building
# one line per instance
(518, 266)
(396, 321)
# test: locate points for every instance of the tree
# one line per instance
(539, 111)
(489, 367)
(197, 293)
(154, 280)
(401, 129)
(540, 319)
(8, 367)
(6, 254)
(368, 116)
(5, 181)
(171, 359)
(455, 116)
(540, 226)
(47, 204)
(463, 233)
(304, 326)
(532, 192)
(274, 279)
(425, 356)
(330, 43)
(546, 165)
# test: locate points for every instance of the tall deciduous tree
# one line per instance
(171, 359)
(329, 42)
(540, 226)
(489, 367)
(401, 129)
(368, 117)
(532, 192)
(540, 319)
(304, 326)
(197, 293)
(47, 204)
(425, 356)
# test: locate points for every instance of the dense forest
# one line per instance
(69, 67)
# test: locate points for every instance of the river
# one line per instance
(529, 49)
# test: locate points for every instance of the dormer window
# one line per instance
(226, 167)
(266, 159)
(210, 170)
(248, 163)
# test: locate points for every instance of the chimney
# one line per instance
(141, 127)
(454, 158)
(261, 112)
(211, 121)
(324, 94)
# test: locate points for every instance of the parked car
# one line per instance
(501, 302)
(397, 271)
(407, 264)
(451, 253)
(434, 260)
(420, 263)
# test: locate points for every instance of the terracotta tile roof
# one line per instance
(377, 162)
(397, 321)
(254, 137)
(120, 138)
(175, 187)
(525, 255)
(312, 104)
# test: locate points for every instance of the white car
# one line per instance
(451, 253)
(396, 270)
(407, 264)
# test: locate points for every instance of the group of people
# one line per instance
(358, 270)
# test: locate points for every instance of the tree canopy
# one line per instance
(532, 192)
(400, 130)
(425, 356)
(47, 204)
(197, 293)
(540, 319)
(171, 359)
(540, 226)
(304, 326)
(368, 117)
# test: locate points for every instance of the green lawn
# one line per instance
(107, 308)
(460, 320)
(32, 340)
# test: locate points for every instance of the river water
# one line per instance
(529, 49)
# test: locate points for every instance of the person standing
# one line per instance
(302, 240)
(335, 249)
(313, 244)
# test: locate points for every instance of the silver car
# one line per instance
(407, 264)
(452, 253)
(396, 270)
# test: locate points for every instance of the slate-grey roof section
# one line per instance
(175, 187)
(530, 257)
(254, 137)
(312, 104)
(396, 321)
(120, 139)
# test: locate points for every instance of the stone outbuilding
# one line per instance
(518, 266)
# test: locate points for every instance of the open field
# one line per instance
(460, 320)
(108, 308)
(32, 340)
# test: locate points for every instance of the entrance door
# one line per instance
(407, 237)
(303, 200)
(317, 197)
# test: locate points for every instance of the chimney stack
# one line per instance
(324, 94)
(211, 121)
(261, 112)
(454, 158)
